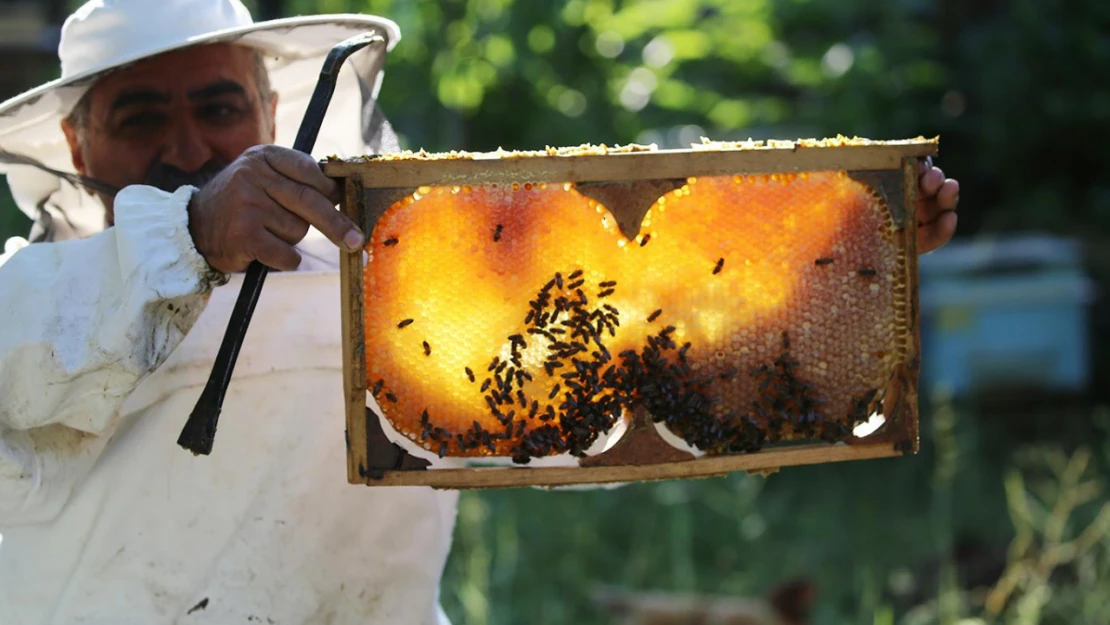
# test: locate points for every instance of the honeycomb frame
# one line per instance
(628, 181)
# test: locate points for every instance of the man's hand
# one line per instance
(261, 205)
(937, 198)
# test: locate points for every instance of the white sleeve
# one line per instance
(81, 324)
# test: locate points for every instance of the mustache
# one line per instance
(169, 178)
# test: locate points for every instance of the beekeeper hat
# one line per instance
(105, 35)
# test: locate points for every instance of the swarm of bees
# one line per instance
(787, 329)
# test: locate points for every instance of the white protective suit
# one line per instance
(105, 344)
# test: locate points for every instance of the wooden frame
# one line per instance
(631, 176)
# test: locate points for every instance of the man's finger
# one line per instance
(307, 203)
(924, 164)
(931, 181)
(285, 225)
(935, 234)
(302, 168)
(273, 252)
(927, 210)
(948, 197)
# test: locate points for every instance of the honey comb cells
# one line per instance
(517, 320)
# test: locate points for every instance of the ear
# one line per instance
(76, 154)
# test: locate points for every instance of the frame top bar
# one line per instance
(602, 164)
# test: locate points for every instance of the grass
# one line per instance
(531, 556)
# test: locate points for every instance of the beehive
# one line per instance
(711, 309)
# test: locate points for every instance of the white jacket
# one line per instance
(105, 344)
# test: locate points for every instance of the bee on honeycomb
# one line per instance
(517, 320)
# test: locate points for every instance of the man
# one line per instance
(107, 335)
(104, 519)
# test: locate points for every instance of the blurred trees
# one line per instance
(1017, 90)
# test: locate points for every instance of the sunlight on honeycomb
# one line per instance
(810, 254)
(458, 277)
(464, 266)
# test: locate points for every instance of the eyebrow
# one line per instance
(144, 96)
(217, 89)
(149, 96)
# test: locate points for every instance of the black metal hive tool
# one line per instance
(200, 430)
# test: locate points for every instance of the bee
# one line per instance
(718, 266)
(607, 284)
(655, 315)
(427, 349)
(605, 293)
(391, 397)
(866, 272)
(645, 239)
(390, 241)
(470, 375)
(404, 324)
(497, 233)
(823, 261)
(377, 388)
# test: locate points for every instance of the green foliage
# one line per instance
(860, 531)
(1014, 89)
(1059, 559)
(12, 221)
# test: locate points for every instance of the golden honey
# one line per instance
(518, 320)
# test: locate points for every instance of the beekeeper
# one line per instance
(110, 324)
(111, 318)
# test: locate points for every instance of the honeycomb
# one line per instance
(517, 320)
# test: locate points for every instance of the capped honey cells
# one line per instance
(517, 320)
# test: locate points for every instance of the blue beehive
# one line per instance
(1005, 315)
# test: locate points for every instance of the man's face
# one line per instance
(191, 111)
